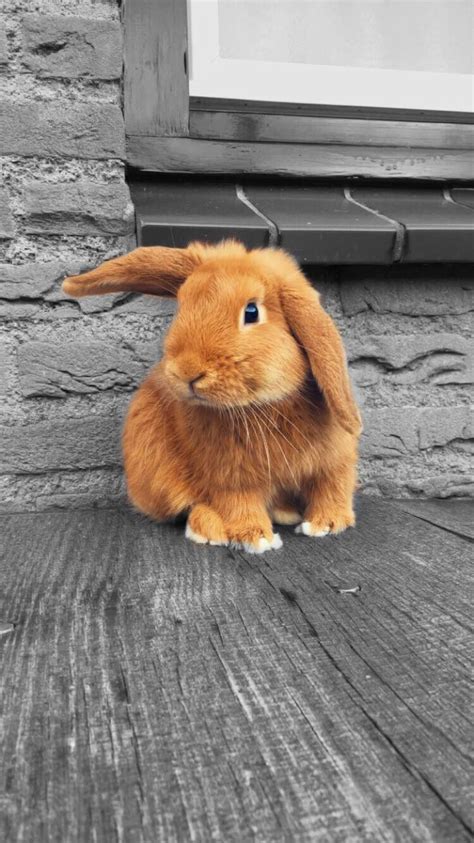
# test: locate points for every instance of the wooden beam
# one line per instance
(156, 97)
(292, 129)
(341, 112)
(188, 155)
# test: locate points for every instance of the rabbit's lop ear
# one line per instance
(156, 270)
(320, 339)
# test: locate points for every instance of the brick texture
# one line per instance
(75, 443)
(79, 208)
(58, 369)
(411, 292)
(3, 50)
(72, 47)
(437, 358)
(7, 226)
(36, 289)
(61, 130)
(396, 432)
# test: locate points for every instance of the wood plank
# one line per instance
(156, 96)
(156, 690)
(283, 128)
(454, 515)
(189, 155)
(342, 112)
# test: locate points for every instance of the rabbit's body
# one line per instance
(205, 457)
(239, 424)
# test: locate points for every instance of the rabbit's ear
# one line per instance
(317, 334)
(156, 270)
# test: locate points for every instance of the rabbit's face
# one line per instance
(229, 344)
(243, 321)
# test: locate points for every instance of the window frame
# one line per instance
(167, 131)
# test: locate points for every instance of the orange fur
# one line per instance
(269, 425)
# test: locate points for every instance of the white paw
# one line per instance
(198, 539)
(194, 537)
(263, 544)
(307, 529)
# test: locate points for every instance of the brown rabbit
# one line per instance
(249, 416)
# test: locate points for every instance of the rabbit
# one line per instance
(249, 418)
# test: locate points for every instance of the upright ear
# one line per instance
(320, 339)
(155, 270)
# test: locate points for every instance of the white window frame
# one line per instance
(264, 81)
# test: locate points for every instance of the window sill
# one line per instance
(318, 224)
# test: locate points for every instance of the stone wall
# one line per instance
(68, 367)
(408, 333)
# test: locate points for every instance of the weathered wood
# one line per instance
(342, 112)
(156, 94)
(154, 690)
(456, 515)
(191, 155)
(284, 128)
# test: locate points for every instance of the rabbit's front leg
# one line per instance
(205, 526)
(236, 518)
(329, 502)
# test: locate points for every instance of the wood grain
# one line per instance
(342, 112)
(153, 690)
(455, 515)
(191, 155)
(156, 98)
(284, 128)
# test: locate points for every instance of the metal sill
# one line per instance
(319, 225)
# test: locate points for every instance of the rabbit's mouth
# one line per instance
(229, 381)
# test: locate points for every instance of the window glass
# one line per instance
(420, 35)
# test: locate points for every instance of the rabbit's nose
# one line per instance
(195, 380)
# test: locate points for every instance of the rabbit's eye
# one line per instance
(251, 313)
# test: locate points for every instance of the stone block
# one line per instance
(59, 130)
(85, 488)
(390, 432)
(435, 358)
(82, 367)
(438, 294)
(5, 366)
(78, 208)
(7, 226)
(3, 50)
(442, 486)
(400, 431)
(447, 426)
(32, 280)
(36, 284)
(75, 443)
(411, 484)
(72, 47)
(13, 311)
(87, 500)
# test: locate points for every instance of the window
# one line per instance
(325, 88)
(413, 54)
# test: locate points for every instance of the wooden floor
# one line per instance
(155, 690)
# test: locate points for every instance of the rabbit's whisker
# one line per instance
(265, 445)
(264, 421)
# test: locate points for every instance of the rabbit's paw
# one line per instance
(205, 526)
(319, 527)
(285, 517)
(253, 540)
